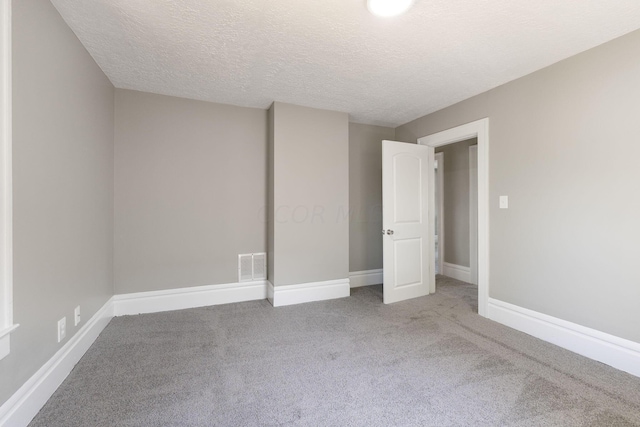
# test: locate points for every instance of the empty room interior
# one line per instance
(338, 213)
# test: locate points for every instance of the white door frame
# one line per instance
(473, 213)
(480, 130)
(440, 184)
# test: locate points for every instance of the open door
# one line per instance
(405, 211)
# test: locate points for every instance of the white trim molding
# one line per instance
(25, 403)
(614, 351)
(308, 292)
(365, 278)
(6, 186)
(473, 214)
(270, 292)
(439, 190)
(182, 298)
(478, 129)
(458, 272)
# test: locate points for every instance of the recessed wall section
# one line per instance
(190, 191)
(365, 195)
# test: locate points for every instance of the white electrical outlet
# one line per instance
(62, 328)
(76, 316)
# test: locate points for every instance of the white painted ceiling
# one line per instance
(334, 54)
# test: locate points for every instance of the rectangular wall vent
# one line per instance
(252, 267)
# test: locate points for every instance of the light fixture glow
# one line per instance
(386, 8)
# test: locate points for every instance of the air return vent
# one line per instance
(252, 267)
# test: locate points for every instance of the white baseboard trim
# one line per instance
(308, 292)
(458, 272)
(270, 292)
(614, 351)
(365, 278)
(25, 403)
(182, 298)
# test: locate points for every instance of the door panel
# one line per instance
(408, 253)
(406, 220)
(407, 198)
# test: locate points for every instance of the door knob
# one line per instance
(389, 232)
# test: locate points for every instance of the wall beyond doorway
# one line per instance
(456, 202)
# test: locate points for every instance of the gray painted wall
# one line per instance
(310, 194)
(365, 195)
(564, 148)
(456, 202)
(62, 186)
(190, 191)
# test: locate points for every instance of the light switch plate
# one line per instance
(504, 202)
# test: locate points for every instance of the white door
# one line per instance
(405, 211)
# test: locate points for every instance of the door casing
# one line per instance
(439, 157)
(478, 129)
(473, 213)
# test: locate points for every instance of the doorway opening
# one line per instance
(475, 130)
(455, 210)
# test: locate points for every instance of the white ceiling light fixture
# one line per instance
(387, 8)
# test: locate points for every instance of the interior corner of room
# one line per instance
(120, 202)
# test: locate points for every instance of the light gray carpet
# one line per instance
(350, 362)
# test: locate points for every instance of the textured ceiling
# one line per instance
(334, 54)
